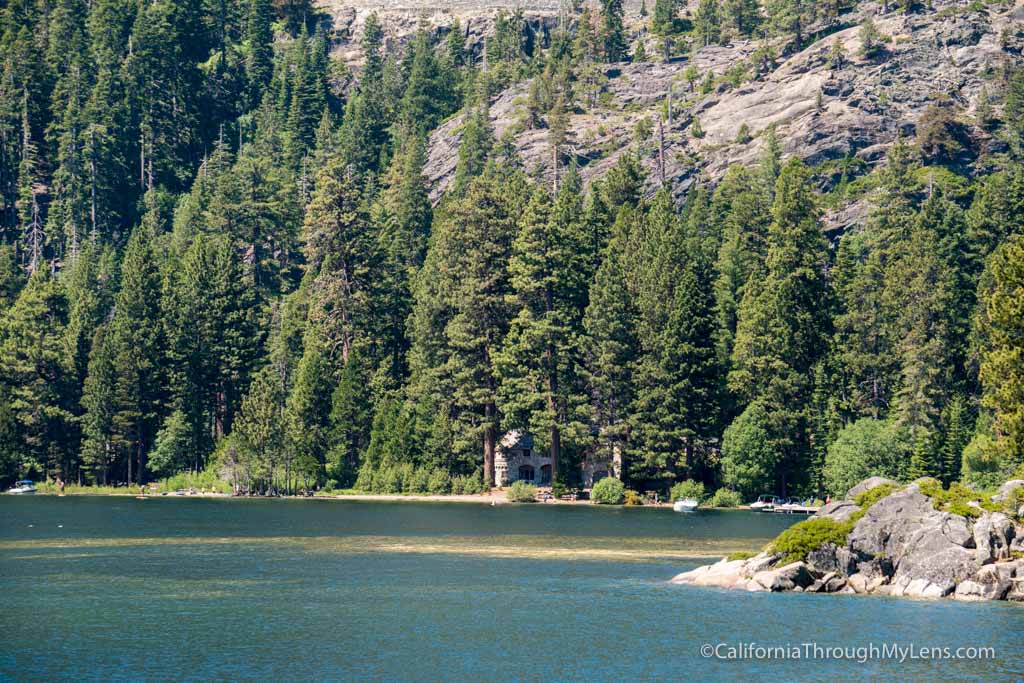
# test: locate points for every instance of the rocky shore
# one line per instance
(915, 541)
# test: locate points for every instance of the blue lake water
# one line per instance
(98, 588)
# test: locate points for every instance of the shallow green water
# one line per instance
(115, 589)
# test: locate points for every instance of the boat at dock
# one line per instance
(765, 503)
(794, 506)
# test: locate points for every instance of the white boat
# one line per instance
(23, 487)
(685, 505)
(765, 503)
(795, 506)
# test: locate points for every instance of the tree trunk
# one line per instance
(489, 442)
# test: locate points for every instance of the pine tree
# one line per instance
(473, 244)
(259, 430)
(740, 211)
(743, 15)
(349, 422)
(782, 320)
(610, 348)
(613, 33)
(212, 339)
(341, 256)
(956, 435)
(137, 343)
(476, 147)
(38, 378)
(259, 39)
(707, 23)
(676, 404)
(535, 364)
(663, 21)
(309, 408)
(791, 16)
(1002, 363)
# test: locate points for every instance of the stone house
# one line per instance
(517, 460)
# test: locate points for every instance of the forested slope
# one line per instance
(223, 246)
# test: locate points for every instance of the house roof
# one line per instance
(517, 439)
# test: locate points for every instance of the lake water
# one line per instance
(99, 588)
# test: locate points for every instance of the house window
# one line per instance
(545, 475)
(526, 473)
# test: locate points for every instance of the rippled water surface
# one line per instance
(186, 589)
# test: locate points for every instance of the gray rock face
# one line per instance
(991, 582)
(994, 534)
(928, 549)
(787, 578)
(819, 112)
(1005, 489)
(833, 559)
(867, 485)
(889, 525)
(839, 510)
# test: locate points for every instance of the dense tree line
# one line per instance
(219, 250)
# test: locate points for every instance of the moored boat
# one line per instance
(685, 505)
(23, 487)
(765, 503)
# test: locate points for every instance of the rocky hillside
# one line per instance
(821, 111)
(918, 541)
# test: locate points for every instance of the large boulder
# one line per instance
(1005, 489)
(832, 558)
(786, 578)
(723, 574)
(933, 568)
(994, 534)
(991, 582)
(838, 510)
(923, 551)
(867, 485)
(888, 526)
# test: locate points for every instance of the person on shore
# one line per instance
(60, 486)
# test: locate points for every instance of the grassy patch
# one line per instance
(741, 555)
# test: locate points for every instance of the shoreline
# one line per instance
(495, 497)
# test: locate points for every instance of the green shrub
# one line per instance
(687, 489)
(726, 498)
(473, 484)
(633, 498)
(608, 491)
(741, 555)
(957, 498)
(872, 496)
(207, 479)
(387, 480)
(521, 492)
(1014, 501)
(796, 542)
(405, 472)
(439, 483)
(420, 481)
